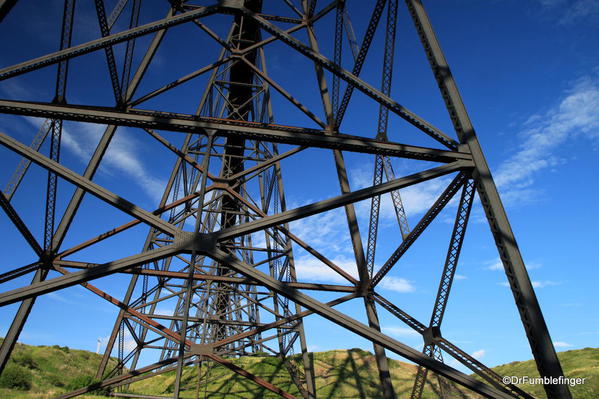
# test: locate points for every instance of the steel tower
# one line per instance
(219, 253)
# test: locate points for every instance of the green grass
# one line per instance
(339, 374)
(53, 370)
(583, 363)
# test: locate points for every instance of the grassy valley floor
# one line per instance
(45, 372)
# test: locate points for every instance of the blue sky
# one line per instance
(529, 75)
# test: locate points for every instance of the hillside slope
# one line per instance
(339, 374)
(46, 371)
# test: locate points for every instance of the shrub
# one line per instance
(55, 380)
(16, 377)
(26, 360)
(79, 382)
(82, 381)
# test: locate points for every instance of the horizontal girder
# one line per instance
(227, 128)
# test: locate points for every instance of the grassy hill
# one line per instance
(46, 371)
(339, 374)
(583, 363)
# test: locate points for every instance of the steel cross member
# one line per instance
(226, 128)
(354, 325)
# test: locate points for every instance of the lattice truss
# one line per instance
(219, 250)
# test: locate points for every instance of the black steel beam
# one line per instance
(477, 367)
(225, 128)
(426, 220)
(5, 7)
(89, 186)
(20, 225)
(350, 78)
(38, 288)
(355, 326)
(530, 311)
(342, 200)
(53, 58)
(18, 322)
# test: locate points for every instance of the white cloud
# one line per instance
(419, 198)
(497, 265)
(309, 268)
(57, 297)
(575, 115)
(325, 231)
(400, 331)
(545, 283)
(537, 284)
(479, 354)
(164, 311)
(416, 199)
(122, 156)
(129, 343)
(494, 264)
(396, 284)
(561, 344)
(460, 277)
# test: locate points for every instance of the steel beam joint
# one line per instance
(432, 335)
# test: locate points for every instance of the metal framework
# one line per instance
(220, 249)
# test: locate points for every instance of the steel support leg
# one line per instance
(382, 363)
(530, 312)
(18, 322)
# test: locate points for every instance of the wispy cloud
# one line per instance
(121, 158)
(496, 265)
(129, 342)
(537, 283)
(571, 11)
(325, 231)
(545, 283)
(561, 344)
(396, 284)
(416, 199)
(59, 298)
(400, 331)
(479, 354)
(164, 311)
(575, 116)
(311, 269)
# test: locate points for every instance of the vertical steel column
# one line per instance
(306, 359)
(352, 221)
(189, 282)
(451, 262)
(530, 312)
(56, 126)
(240, 94)
(171, 186)
(383, 163)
